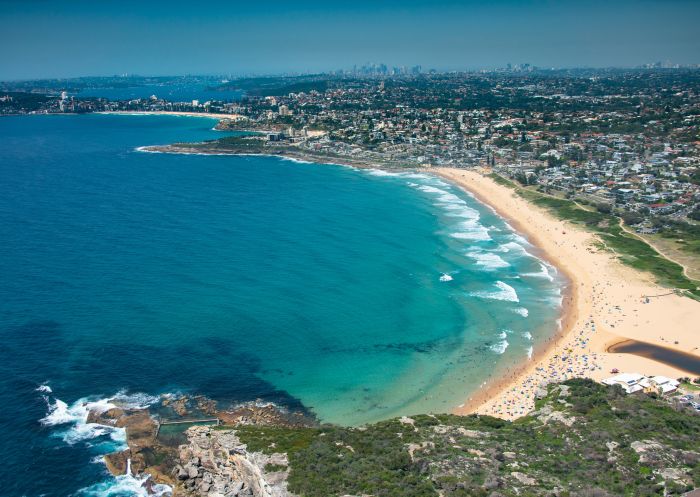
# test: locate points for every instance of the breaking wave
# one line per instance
(543, 273)
(75, 417)
(487, 260)
(72, 421)
(505, 292)
(409, 175)
(516, 248)
(522, 311)
(500, 346)
(467, 229)
(127, 485)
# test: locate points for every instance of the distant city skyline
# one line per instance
(44, 39)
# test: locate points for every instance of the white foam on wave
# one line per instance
(420, 176)
(522, 311)
(380, 172)
(433, 189)
(408, 175)
(500, 346)
(461, 211)
(126, 485)
(518, 238)
(543, 273)
(146, 150)
(446, 277)
(43, 388)
(527, 335)
(558, 300)
(475, 235)
(504, 292)
(134, 400)
(295, 160)
(515, 248)
(467, 229)
(530, 349)
(76, 415)
(488, 260)
(444, 196)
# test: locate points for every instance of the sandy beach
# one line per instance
(604, 304)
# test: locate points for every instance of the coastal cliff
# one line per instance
(583, 439)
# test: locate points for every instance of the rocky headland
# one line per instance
(582, 439)
(190, 444)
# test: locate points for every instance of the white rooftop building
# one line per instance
(666, 385)
(635, 382)
(630, 382)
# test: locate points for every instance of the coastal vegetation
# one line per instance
(276, 85)
(583, 439)
(631, 250)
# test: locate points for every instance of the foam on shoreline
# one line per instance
(70, 423)
(599, 289)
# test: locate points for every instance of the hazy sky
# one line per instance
(101, 37)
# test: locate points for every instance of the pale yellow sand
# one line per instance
(605, 306)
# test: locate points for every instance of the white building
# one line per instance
(666, 385)
(630, 382)
(635, 382)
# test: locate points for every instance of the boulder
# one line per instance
(523, 478)
(192, 471)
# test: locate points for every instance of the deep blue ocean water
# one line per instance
(357, 295)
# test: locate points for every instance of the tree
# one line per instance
(695, 214)
(632, 218)
(603, 208)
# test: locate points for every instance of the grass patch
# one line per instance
(274, 468)
(630, 249)
(460, 456)
(271, 439)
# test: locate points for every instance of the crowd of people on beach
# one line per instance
(572, 359)
(607, 302)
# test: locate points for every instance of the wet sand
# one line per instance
(605, 304)
(681, 360)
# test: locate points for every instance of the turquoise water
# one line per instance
(357, 295)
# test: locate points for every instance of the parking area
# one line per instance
(689, 400)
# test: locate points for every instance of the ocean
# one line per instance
(356, 295)
(183, 91)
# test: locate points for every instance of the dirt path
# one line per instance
(655, 247)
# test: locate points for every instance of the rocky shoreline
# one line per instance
(197, 460)
(289, 152)
(216, 463)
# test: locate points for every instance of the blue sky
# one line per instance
(44, 38)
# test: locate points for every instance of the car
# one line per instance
(686, 398)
